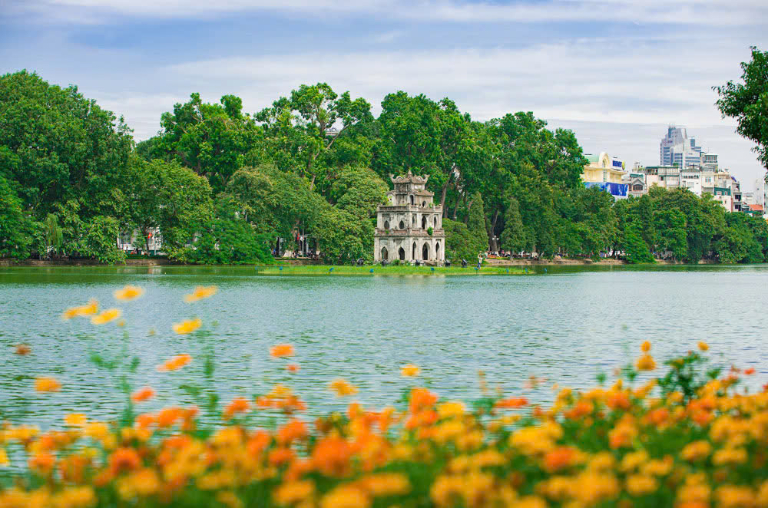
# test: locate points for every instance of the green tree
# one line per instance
(226, 239)
(671, 232)
(299, 131)
(344, 237)
(459, 242)
(273, 201)
(56, 145)
(15, 227)
(214, 140)
(635, 249)
(513, 238)
(476, 223)
(168, 196)
(747, 102)
(359, 191)
(428, 138)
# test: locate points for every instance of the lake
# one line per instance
(566, 325)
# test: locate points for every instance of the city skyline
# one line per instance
(614, 72)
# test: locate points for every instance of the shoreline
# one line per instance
(489, 263)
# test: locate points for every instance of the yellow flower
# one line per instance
(141, 483)
(229, 499)
(646, 362)
(84, 310)
(75, 419)
(345, 496)
(75, 497)
(450, 409)
(385, 484)
(531, 502)
(188, 326)
(342, 387)
(698, 450)
(645, 346)
(729, 456)
(294, 492)
(638, 484)
(106, 316)
(4, 461)
(703, 346)
(409, 370)
(732, 496)
(128, 293)
(201, 292)
(47, 384)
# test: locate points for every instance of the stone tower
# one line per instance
(403, 225)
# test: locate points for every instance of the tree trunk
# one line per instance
(442, 197)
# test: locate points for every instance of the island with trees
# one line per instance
(225, 186)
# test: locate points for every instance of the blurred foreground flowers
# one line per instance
(692, 437)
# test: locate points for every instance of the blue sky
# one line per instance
(615, 71)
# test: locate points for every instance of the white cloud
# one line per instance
(617, 96)
(687, 12)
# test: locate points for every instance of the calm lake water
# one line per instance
(566, 325)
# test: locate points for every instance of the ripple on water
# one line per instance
(566, 327)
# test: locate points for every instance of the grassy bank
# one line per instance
(285, 270)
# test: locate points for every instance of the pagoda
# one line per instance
(409, 227)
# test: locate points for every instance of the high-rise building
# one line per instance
(677, 149)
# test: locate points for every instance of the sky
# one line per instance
(616, 72)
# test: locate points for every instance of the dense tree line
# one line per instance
(222, 184)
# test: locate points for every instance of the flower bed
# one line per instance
(691, 437)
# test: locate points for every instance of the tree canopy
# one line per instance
(223, 185)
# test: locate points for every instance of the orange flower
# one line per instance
(144, 420)
(124, 459)
(281, 350)
(280, 456)
(409, 370)
(292, 431)
(560, 458)
(168, 416)
(342, 387)
(703, 346)
(82, 311)
(42, 463)
(258, 443)
(175, 363)
(200, 292)
(645, 346)
(143, 394)
(511, 403)
(618, 400)
(421, 398)
(238, 405)
(22, 349)
(128, 293)
(331, 456)
(749, 371)
(47, 384)
(106, 316)
(188, 326)
(292, 367)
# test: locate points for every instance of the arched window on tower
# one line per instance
(411, 198)
(423, 222)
